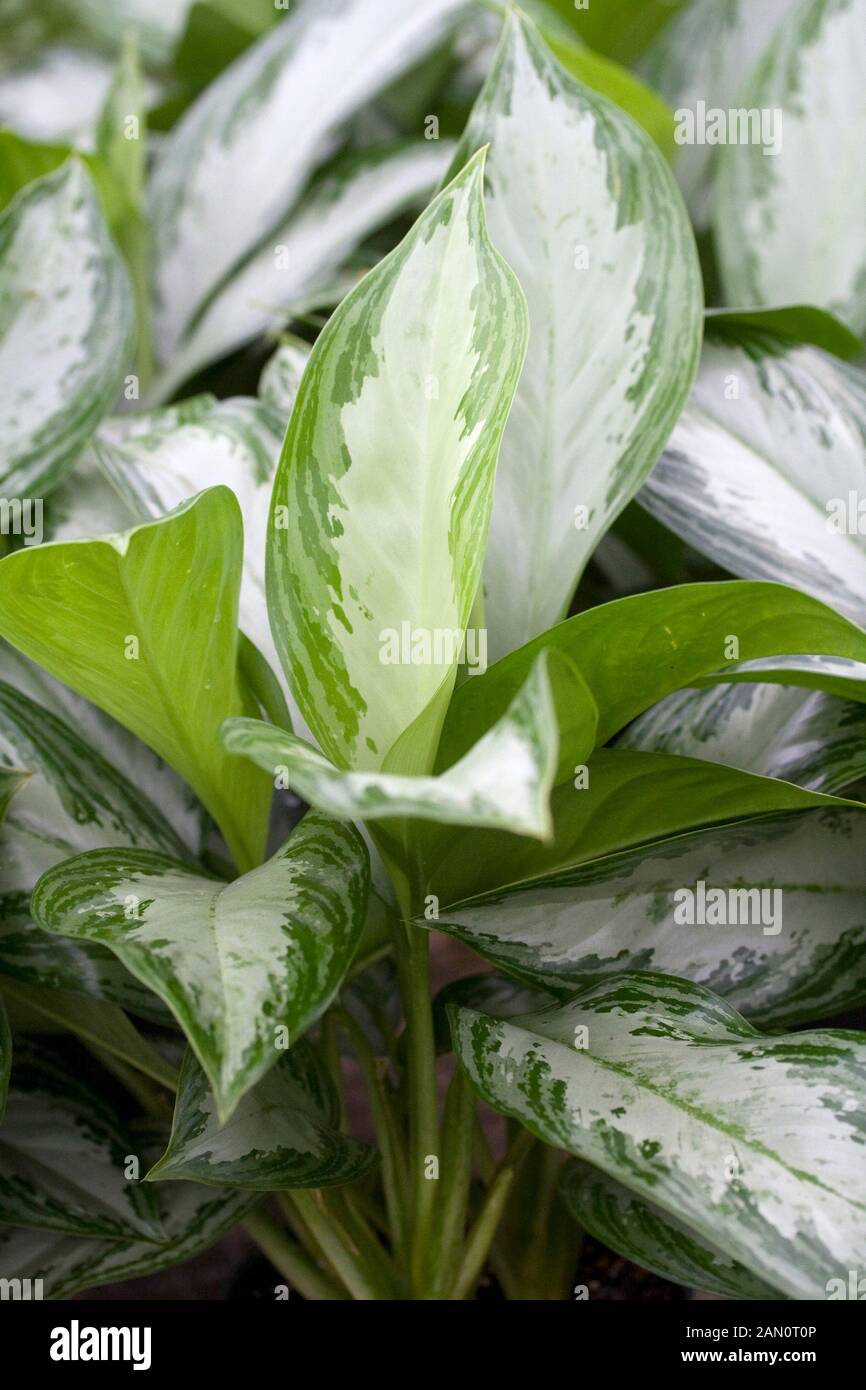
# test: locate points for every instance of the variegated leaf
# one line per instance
(583, 207)
(766, 469)
(144, 625)
(702, 57)
(652, 1238)
(235, 163)
(73, 801)
(5, 1057)
(66, 327)
(381, 501)
(57, 94)
(835, 675)
(157, 24)
(504, 781)
(753, 1142)
(792, 226)
(347, 202)
(193, 1217)
(801, 736)
(281, 377)
(285, 1132)
(63, 1155)
(785, 942)
(245, 967)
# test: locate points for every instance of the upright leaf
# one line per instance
(753, 1142)
(793, 226)
(144, 624)
(245, 967)
(582, 205)
(381, 501)
(66, 327)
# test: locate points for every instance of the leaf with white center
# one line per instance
(73, 801)
(634, 651)
(834, 675)
(584, 208)
(766, 469)
(238, 964)
(66, 327)
(234, 443)
(284, 1133)
(784, 903)
(281, 377)
(345, 203)
(801, 736)
(652, 1238)
(382, 497)
(504, 781)
(144, 625)
(192, 1216)
(237, 160)
(57, 95)
(753, 1142)
(154, 781)
(62, 1158)
(701, 57)
(790, 220)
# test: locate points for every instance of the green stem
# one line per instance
(483, 1229)
(288, 1257)
(455, 1179)
(414, 966)
(337, 1246)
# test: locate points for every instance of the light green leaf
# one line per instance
(62, 1158)
(766, 467)
(503, 782)
(793, 226)
(620, 28)
(238, 964)
(801, 736)
(584, 208)
(193, 1217)
(753, 1142)
(235, 163)
(143, 624)
(644, 1234)
(343, 205)
(66, 326)
(703, 56)
(634, 651)
(285, 1132)
(789, 945)
(233, 443)
(378, 543)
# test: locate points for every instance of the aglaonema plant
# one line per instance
(318, 696)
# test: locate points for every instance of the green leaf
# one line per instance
(348, 200)
(285, 1132)
(172, 586)
(617, 800)
(658, 1242)
(62, 1158)
(5, 1057)
(582, 205)
(233, 166)
(238, 964)
(620, 28)
(634, 651)
(703, 56)
(504, 781)
(157, 24)
(766, 466)
(753, 1142)
(66, 326)
(794, 323)
(380, 541)
(233, 443)
(794, 226)
(834, 675)
(193, 1217)
(626, 911)
(801, 736)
